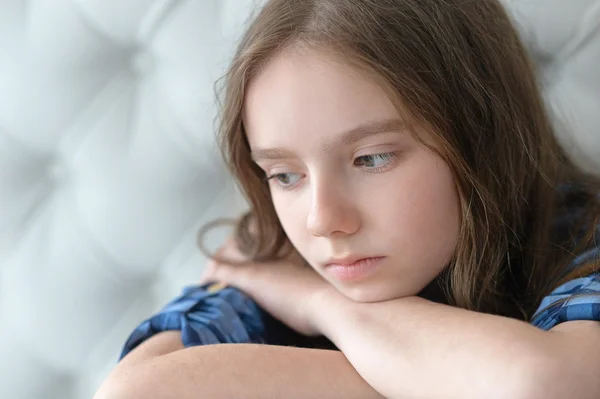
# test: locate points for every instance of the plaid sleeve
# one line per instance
(578, 299)
(205, 315)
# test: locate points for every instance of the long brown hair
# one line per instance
(458, 67)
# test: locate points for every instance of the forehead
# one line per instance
(303, 95)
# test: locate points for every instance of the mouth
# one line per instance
(353, 269)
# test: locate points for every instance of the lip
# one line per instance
(353, 268)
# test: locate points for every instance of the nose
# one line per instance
(333, 211)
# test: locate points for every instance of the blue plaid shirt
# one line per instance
(578, 299)
(212, 314)
(206, 316)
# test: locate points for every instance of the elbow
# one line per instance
(114, 388)
(550, 377)
(526, 373)
(127, 382)
(110, 391)
(532, 385)
(140, 380)
(541, 383)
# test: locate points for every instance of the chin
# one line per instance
(367, 294)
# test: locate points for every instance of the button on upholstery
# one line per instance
(142, 62)
(57, 171)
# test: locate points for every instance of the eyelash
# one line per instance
(390, 158)
(275, 176)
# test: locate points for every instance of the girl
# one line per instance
(409, 202)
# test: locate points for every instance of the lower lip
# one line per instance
(355, 271)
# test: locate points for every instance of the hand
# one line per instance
(287, 289)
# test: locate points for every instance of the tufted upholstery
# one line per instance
(108, 165)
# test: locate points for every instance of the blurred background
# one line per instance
(108, 163)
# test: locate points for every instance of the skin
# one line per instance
(392, 343)
(372, 193)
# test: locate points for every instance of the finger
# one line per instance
(217, 272)
(209, 273)
(205, 280)
(230, 253)
(216, 287)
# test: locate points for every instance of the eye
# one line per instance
(286, 180)
(376, 161)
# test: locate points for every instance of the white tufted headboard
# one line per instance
(108, 164)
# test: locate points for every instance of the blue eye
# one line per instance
(285, 180)
(375, 161)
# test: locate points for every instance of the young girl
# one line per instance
(409, 202)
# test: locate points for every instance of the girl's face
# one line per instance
(371, 209)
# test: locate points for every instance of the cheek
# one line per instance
(423, 213)
(290, 213)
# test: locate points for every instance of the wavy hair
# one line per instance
(459, 68)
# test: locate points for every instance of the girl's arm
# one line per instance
(410, 347)
(161, 368)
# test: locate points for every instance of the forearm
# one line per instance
(410, 348)
(233, 371)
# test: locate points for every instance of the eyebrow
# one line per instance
(350, 137)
